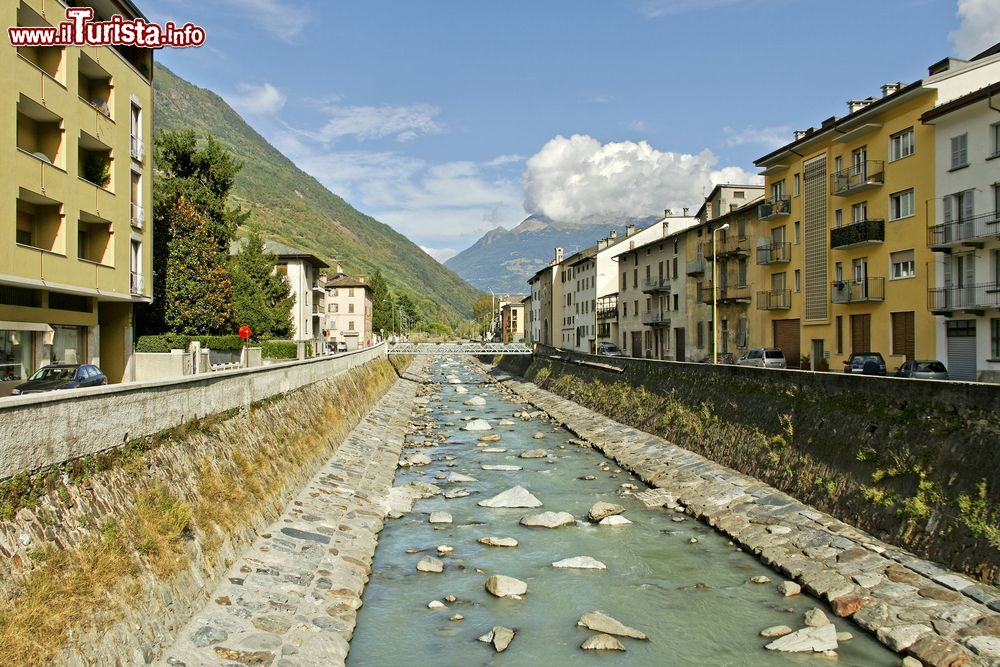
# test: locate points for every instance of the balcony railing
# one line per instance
(979, 227)
(867, 174)
(853, 291)
(137, 215)
(656, 319)
(137, 149)
(776, 253)
(731, 246)
(775, 207)
(696, 267)
(137, 283)
(859, 233)
(776, 299)
(944, 300)
(656, 285)
(727, 294)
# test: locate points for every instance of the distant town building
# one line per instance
(512, 320)
(348, 310)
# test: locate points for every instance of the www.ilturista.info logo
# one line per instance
(79, 29)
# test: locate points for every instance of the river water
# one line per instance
(694, 600)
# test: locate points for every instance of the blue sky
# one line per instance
(446, 118)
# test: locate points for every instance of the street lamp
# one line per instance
(715, 294)
(493, 312)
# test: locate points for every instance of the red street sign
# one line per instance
(245, 332)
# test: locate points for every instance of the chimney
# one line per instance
(630, 230)
(890, 88)
(685, 211)
(559, 255)
(613, 235)
(800, 133)
(602, 244)
(340, 269)
(708, 210)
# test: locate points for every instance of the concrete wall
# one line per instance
(41, 430)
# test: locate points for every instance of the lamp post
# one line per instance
(715, 294)
(493, 312)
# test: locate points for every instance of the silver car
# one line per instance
(763, 357)
(923, 370)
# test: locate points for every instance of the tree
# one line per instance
(382, 304)
(201, 175)
(407, 311)
(482, 307)
(197, 291)
(262, 297)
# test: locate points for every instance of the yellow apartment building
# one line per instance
(75, 197)
(854, 199)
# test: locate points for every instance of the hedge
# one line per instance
(279, 349)
(171, 341)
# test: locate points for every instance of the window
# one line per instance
(725, 336)
(350, 325)
(624, 308)
(959, 206)
(796, 185)
(675, 247)
(901, 145)
(350, 291)
(902, 264)
(840, 334)
(859, 212)
(778, 190)
(995, 338)
(675, 268)
(797, 228)
(994, 141)
(901, 204)
(700, 334)
(960, 151)
(738, 194)
(838, 218)
(798, 280)
(742, 331)
(676, 306)
(742, 277)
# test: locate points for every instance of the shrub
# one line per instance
(279, 349)
(171, 341)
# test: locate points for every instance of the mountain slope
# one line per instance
(503, 260)
(293, 207)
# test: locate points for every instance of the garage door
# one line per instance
(786, 339)
(962, 350)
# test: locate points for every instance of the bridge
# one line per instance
(458, 349)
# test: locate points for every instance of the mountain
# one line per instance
(503, 260)
(293, 207)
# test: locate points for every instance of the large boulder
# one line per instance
(614, 520)
(600, 622)
(549, 520)
(811, 640)
(476, 401)
(502, 586)
(602, 643)
(534, 454)
(501, 467)
(517, 496)
(459, 478)
(500, 637)
(580, 563)
(477, 425)
(439, 517)
(491, 541)
(430, 564)
(601, 510)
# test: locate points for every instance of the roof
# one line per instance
(584, 255)
(965, 100)
(281, 251)
(344, 280)
(992, 51)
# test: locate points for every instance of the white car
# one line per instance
(763, 357)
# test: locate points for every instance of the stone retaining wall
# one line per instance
(913, 462)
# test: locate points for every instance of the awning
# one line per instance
(25, 326)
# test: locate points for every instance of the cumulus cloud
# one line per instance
(261, 99)
(766, 137)
(283, 19)
(978, 28)
(571, 179)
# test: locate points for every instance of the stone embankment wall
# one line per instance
(914, 463)
(108, 565)
(41, 430)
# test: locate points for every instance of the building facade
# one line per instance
(348, 311)
(512, 321)
(303, 272)
(76, 198)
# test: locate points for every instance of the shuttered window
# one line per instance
(903, 334)
(959, 151)
(815, 241)
(861, 333)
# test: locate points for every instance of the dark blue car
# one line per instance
(61, 376)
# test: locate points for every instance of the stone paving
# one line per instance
(292, 598)
(912, 605)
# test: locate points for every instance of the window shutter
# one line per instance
(968, 205)
(949, 215)
(947, 271)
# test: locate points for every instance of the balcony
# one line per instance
(853, 291)
(695, 267)
(727, 294)
(137, 215)
(95, 161)
(730, 246)
(967, 298)
(137, 149)
(776, 299)
(137, 283)
(863, 176)
(656, 320)
(775, 207)
(656, 285)
(607, 308)
(865, 232)
(970, 232)
(776, 253)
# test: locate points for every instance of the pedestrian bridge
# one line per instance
(457, 349)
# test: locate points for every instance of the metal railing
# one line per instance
(853, 291)
(774, 207)
(776, 253)
(137, 283)
(867, 174)
(776, 299)
(982, 226)
(137, 215)
(731, 246)
(656, 319)
(966, 297)
(695, 266)
(858, 233)
(726, 294)
(656, 285)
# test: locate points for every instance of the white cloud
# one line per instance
(638, 126)
(281, 18)
(501, 160)
(767, 137)
(405, 122)
(657, 8)
(440, 254)
(979, 26)
(261, 99)
(571, 179)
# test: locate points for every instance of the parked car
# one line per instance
(763, 357)
(61, 376)
(923, 370)
(865, 363)
(341, 346)
(609, 350)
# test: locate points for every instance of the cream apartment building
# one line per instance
(348, 310)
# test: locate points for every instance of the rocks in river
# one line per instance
(456, 617)
(503, 586)
(477, 425)
(492, 437)
(501, 468)
(580, 563)
(549, 520)
(415, 460)
(816, 640)
(587, 478)
(494, 450)
(614, 520)
(430, 564)
(445, 549)
(500, 637)
(601, 622)
(538, 435)
(461, 390)
(439, 517)
(517, 496)
(602, 643)
(435, 604)
(601, 509)
(789, 588)
(760, 579)
(491, 541)
(476, 401)
(459, 478)
(534, 454)
(815, 618)
(775, 631)
(505, 422)
(456, 493)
